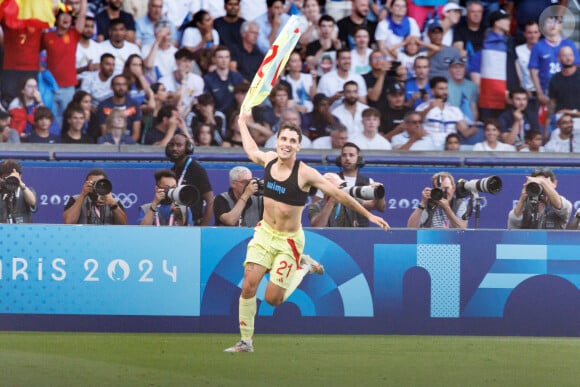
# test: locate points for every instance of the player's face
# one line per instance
(288, 144)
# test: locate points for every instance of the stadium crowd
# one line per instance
(499, 75)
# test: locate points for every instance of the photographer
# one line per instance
(328, 212)
(95, 203)
(439, 208)
(242, 205)
(540, 206)
(17, 201)
(162, 211)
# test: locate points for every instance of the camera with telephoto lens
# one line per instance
(366, 192)
(260, 184)
(394, 67)
(183, 195)
(534, 191)
(102, 187)
(491, 184)
(9, 184)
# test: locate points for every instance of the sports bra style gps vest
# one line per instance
(287, 191)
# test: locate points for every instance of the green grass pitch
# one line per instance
(103, 359)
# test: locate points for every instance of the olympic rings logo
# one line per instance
(127, 200)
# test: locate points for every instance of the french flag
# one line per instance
(493, 82)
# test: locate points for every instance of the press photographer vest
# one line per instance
(251, 214)
(547, 220)
(360, 220)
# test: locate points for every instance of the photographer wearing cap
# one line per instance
(439, 208)
(242, 205)
(17, 200)
(95, 204)
(540, 206)
(163, 211)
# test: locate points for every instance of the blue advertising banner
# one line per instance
(133, 185)
(99, 270)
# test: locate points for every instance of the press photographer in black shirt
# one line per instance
(17, 200)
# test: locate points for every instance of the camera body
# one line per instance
(9, 185)
(366, 192)
(438, 193)
(260, 184)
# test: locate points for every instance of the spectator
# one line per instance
(145, 34)
(121, 101)
(289, 116)
(75, 119)
(562, 139)
(534, 140)
(462, 92)
(518, 119)
(7, 134)
(417, 90)
(328, 212)
(524, 51)
(221, 82)
(413, 48)
(233, 134)
(361, 51)
(229, 25)
(88, 55)
(94, 205)
(311, 14)
(90, 127)
(199, 33)
(138, 84)
(440, 117)
(22, 107)
(326, 45)
(492, 141)
(61, 46)
(452, 142)
(137, 8)
(469, 33)
(395, 28)
(303, 85)
(544, 61)
(246, 56)
(183, 86)
(43, 119)
(414, 138)
(332, 83)
(167, 123)
(563, 88)
(370, 138)
(162, 211)
(335, 140)
(240, 91)
(393, 114)
(116, 130)
(439, 54)
(113, 12)
(378, 79)
(204, 112)
(319, 122)
(242, 205)
(350, 110)
(357, 18)
(17, 200)
(159, 56)
(270, 24)
(179, 12)
(118, 44)
(451, 14)
(540, 206)
(98, 83)
(204, 135)
(439, 207)
(190, 172)
(160, 97)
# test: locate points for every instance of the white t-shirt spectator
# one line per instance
(330, 84)
(500, 147)
(424, 144)
(164, 61)
(192, 37)
(120, 54)
(194, 85)
(388, 38)
(353, 123)
(378, 142)
(439, 123)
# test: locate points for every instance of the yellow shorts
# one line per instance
(277, 251)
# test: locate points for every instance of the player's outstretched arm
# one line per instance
(250, 147)
(316, 179)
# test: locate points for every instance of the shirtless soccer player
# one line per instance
(278, 240)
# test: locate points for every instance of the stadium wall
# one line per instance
(135, 279)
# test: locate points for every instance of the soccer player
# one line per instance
(278, 240)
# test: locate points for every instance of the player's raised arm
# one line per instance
(250, 147)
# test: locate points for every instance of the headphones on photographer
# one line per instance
(360, 161)
(189, 147)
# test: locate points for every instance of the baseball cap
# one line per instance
(498, 15)
(433, 26)
(395, 88)
(453, 7)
